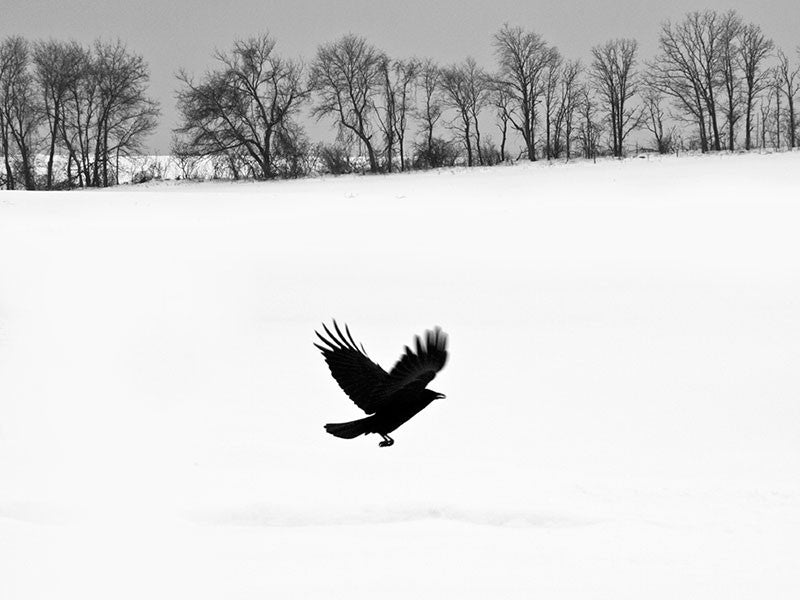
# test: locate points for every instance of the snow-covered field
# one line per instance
(623, 403)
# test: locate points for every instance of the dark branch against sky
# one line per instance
(185, 33)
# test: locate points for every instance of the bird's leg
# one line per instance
(387, 441)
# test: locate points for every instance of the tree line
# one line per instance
(83, 106)
(716, 83)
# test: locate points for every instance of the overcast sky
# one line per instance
(183, 33)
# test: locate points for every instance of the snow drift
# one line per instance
(621, 416)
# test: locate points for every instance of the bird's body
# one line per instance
(390, 398)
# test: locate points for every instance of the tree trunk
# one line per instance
(468, 143)
(478, 141)
(27, 168)
(504, 131)
(548, 147)
(105, 155)
(267, 154)
(701, 119)
(69, 170)
(374, 167)
(714, 127)
(9, 170)
(747, 123)
(53, 135)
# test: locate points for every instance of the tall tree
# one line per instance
(6, 70)
(788, 82)
(430, 112)
(124, 113)
(567, 105)
(616, 82)
(479, 93)
(58, 68)
(243, 104)
(397, 94)
(466, 90)
(730, 28)
(347, 76)
(522, 57)
(688, 69)
(79, 118)
(406, 73)
(387, 114)
(766, 113)
(589, 130)
(654, 118)
(501, 100)
(20, 108)
(457, 96)
(754, 49)
(551, 81)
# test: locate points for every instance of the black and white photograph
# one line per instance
(405, 300)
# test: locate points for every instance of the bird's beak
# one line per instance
(440, 396)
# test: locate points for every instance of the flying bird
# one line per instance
(390, 398)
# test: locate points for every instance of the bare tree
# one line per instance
(616, 82)
(79, 119)
(242, 104)
(466, 90)
(654, 119)
(387, 114)
(456, 96)
(567, 105)
(730, 28)
(550, 86)
(7, 69)
(406, 74)
(688, 69)
(185, 157)
(501, 100)
(754, 48)
(58, 68)
(674, 73)
(788, 83)
(20, 108)
(765, 115)
(776, 118)
(346, 76)
(431, 110)
(589, 130)
(522, 57)
(398, 86)
(125, 114)
(479, 93)
(705, 37)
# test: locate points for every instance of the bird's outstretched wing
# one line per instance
(417, 367)
(356, 374)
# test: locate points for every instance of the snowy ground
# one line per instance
(622, 411)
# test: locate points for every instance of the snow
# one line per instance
(622, 401)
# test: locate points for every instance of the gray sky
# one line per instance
(183, 33)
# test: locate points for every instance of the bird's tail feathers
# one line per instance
(350, 429)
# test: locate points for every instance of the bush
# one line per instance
(442, 153)
(490, 154)
(292, 153)
(335, 159)
(142, 176)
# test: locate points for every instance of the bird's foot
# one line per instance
(387, 441)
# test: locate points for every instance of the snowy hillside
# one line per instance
(622, 410)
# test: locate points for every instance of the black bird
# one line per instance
(390, 398)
